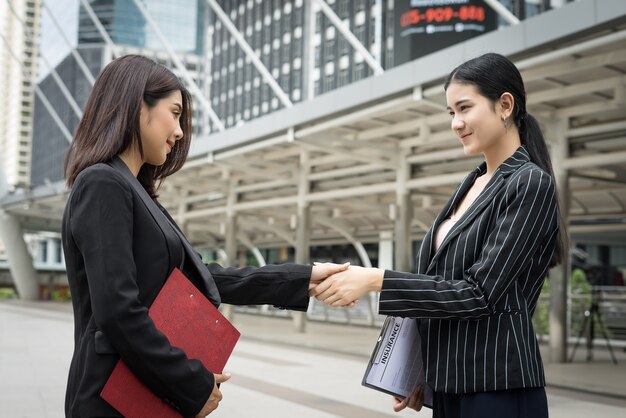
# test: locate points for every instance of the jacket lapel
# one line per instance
(426, 251)
(169, 230)
(119, 165)
(483, 200)
(192, 256)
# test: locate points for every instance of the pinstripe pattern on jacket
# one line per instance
(475, 295)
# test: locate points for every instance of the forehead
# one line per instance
(459, 91)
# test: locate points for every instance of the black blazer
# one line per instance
(476, 294)
(120, 246)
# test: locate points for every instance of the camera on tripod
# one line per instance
(596, 276)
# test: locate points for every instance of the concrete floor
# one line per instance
(275, 373)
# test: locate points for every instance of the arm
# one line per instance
(284, 285)
(521, 227)
(102, 228)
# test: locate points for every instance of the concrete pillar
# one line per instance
(51, 251)
(402, 234)
(403, 211)
(231, 241)
(230, 245)
(303, 256)
(20, 261)
(303, 230)
(385, 251)
(559, 275)
(231, 258)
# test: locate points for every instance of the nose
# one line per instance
(457, 124)
(178, 133)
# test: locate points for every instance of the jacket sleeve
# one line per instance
(282, 285)
(527, 220)
(101, 217)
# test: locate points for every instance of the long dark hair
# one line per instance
(493, 74)
(110, 122)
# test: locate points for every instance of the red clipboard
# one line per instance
(191, 322)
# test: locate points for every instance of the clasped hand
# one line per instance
(344, 287)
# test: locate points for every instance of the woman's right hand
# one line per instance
(415, 400)
(215, 397)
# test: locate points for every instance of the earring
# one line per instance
(505, 123)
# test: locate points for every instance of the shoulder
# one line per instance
(531, 177)
(101, 174)
(102, 182)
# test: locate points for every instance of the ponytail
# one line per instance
(535, 143)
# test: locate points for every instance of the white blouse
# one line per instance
(443, 230)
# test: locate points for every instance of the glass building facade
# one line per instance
(49, 143)
(181, 22)
(282, 33)
(294, 39)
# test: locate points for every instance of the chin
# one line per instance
(158, 161)
(470, 151)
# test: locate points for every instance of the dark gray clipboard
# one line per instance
(372, 361)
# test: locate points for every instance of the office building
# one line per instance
(131, 34)
(49, 142)
(308, 55)
(181, 22)
(298, 45)
(19, 22)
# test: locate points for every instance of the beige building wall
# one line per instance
(19, 25)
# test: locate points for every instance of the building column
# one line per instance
(402, 237)
(51, 251)
(559, 275)
(402, 216)
(230, 240)
(303, 230)
(20, 261)
(385, 251)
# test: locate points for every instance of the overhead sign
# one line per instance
(425, 26)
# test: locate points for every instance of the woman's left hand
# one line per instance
(415, 400)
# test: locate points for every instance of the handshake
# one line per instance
(341, 285)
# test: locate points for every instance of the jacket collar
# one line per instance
(509, 166)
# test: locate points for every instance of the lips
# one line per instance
(464, 137)
(170, 144)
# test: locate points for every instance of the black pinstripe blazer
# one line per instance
(476, 294)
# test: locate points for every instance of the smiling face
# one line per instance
(160, 128)
(475, 119)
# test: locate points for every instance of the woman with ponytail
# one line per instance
(483, 262)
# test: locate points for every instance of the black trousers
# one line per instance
(514, 403)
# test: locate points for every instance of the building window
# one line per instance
(59, 253)
(43, 245)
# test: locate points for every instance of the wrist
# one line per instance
(376, 279)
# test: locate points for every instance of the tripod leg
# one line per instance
(592, 333)
(583, 328)
(606, 336)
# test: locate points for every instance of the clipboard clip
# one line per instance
(388, 322)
